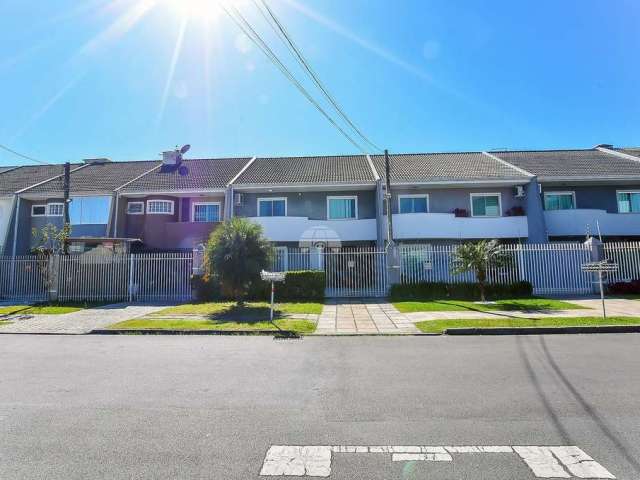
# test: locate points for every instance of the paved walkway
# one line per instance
(592, 308)
(364, 317)
(82, 321)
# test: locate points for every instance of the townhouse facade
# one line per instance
(330, 201)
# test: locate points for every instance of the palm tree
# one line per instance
(479, 257)
(236, 253)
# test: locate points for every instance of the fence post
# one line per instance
(54, 277)
(393, 264)
(131, 265)
(595, 249)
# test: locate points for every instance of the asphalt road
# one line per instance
(86, 407)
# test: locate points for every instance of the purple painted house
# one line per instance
(175, 207)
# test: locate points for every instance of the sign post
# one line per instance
(600, 268)
(272, 277)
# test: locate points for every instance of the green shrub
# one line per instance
(298, 285)
(459, 291)
(205, 288)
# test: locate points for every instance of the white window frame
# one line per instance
(46, 208)
(171, 202)
(342, 197)
(618, 203)
(417, 195)
(270, 199)
(563, 192)
(129, 212)
(494, 194)
(193, 210)
(57, 204)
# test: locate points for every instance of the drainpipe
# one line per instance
(115, 216)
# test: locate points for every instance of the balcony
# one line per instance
(297, 229)
(580, 222)
(408, 226)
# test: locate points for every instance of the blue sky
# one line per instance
(92, 78)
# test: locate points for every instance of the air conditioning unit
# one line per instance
(519, 192)
(237, 199)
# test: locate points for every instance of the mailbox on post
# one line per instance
(272, 277)
(600, 268)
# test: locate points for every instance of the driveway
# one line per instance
(79, 322)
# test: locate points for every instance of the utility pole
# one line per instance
(65, 187)
(387, 196)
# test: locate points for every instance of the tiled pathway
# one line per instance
(79, 322)
(362, 316)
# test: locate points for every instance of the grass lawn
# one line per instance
(222, 308)
(298, 326)
(438, 326)
(43, 309)
(527, 304)
(227, 316)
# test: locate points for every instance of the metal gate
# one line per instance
(355, 272)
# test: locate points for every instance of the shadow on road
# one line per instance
(589, 409)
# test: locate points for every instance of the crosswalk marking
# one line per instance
(543, 461)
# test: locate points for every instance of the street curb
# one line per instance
(543, 330)
(284, 333)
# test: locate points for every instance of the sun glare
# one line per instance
(199, 9)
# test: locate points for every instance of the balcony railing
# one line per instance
(581, 222)
(447, 226)
(303, 229)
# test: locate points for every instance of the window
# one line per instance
(628, 202)
(90, 210)
(38, 210)
(413, 203)
(486, 205)
(559, 200)
(272, 207)
(342, 208)
(135, 208)
(206, 212)
(55, 209)
(160, 207)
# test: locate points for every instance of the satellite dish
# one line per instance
(185, 149)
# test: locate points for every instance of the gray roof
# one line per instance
(5, 169)
(28, 175)
(572, 163)
(635, 151)
(191, 175)
(345, 169)
(98, 178)
(434, 167)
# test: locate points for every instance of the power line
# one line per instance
(248, 30)
(26, 157)
(284, 35)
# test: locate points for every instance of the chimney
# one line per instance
(171, 157)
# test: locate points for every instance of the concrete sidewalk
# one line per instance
(592, 308)
(82, 321)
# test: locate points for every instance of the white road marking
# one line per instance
(421, 457)
(544, 462)
(579, 463)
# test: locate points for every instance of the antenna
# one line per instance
(185, 149)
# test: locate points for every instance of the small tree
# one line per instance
(236, 253)
(479, 257)
(49, 240)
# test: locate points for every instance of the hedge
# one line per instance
(625, 288)
(459, 291)
(298, 285)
